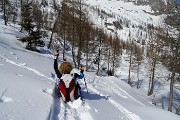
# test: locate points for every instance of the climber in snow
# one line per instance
(67, 85)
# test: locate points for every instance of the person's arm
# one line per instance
(81, 73)
(56, 54)
(81, 76)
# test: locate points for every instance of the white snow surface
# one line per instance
(120, 10)
(127, 10)
(27, 81)
(26, 90)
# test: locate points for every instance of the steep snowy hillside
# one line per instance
(130, 17)
(132, 21)
(136, 14)
(27, 82)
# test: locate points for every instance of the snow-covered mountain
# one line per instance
(27, 78)
(27, 82)
(132, 18)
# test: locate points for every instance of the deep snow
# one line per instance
(27, 78)
(125, 11)
(26, 90)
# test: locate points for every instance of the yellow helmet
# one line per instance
(65, 67)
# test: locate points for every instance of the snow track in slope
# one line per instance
(59, 110)
(118, 90)
(23, 65)
(129, 115)
(54, 110)
(76, 110)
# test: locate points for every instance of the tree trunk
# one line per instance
(138, 86)
(4, 9)
(171, 93)
(73, 39)
(73, 55)
(130, 64)
(80, 37)
(129, 75)
(64, 37)
(2, 5)
(64, 46)
(114, 55)
(108, 61)
(54, 26)
(153, 73)
(50, 42)
(87, 57)
(98, 59)
(152, 79)
(173, 65)
(99, 54)
(21, 2)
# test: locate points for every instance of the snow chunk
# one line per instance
(19, 75)
(96, 110)
(23, 64)
(75, 104)
(5, 99)
(48, 91)
(12, 53)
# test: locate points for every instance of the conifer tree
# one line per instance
(34, 35)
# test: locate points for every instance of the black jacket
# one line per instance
(59, 75)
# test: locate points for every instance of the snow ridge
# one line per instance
(23, 65)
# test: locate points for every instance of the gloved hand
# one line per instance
(56, 54)
(76, 75)
(81, 69)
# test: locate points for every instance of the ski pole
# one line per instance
(82, 70)
(85, 84)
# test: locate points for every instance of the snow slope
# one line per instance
(27, 82)
(137, 14)
(127, 12)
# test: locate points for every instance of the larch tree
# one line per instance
(130, 49)
(153, 49)
(173, 19)
(116, 52)
(138, 53)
